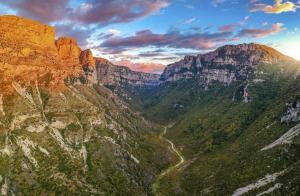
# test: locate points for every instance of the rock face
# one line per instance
(72, 55)
(224, 64)
(293, 112)
(110, 74)
(23, 38)
(29, 52)
(86, 58)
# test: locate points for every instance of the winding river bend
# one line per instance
(155, 186)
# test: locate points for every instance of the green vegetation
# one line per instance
(221, 136)
(85, 145)
(93, 143)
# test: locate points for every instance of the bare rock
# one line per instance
(225, 64)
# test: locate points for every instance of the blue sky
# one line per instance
(147, 35)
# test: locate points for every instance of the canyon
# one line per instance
(65, 130)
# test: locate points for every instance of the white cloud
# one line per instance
(114, 32)
(190, 20)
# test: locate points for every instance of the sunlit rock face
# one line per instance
(24, 38)
(110, 74)
(29, 52)
(86, 57)
(242, 55)
(224, 64)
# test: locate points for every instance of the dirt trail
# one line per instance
(155, 186)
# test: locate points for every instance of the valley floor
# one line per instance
(173, 148)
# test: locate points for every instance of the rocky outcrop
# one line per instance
(86, 58)
(292, 113)
(72, 55)
(242, 55)
(88, 65)
(23, 39)
(225, 64)
(110, 74)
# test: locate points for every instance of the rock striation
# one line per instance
(225, 64)
(110, 74)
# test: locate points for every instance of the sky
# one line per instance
(147, 35)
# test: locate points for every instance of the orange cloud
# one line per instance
(277, 8)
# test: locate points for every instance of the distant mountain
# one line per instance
(225, 64)
(110, 74)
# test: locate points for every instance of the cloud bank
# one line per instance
(198, 41)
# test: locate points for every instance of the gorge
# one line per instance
(67, 129)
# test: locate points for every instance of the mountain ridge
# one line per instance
(232, 56)
(73, 62)
(110, 74)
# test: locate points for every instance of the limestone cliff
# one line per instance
(110, 74)
(224, 64)
(29, 52)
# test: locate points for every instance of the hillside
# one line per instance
(60, 132)
(235, 118)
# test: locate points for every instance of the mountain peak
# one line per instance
(238, 56)
(247, 54)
